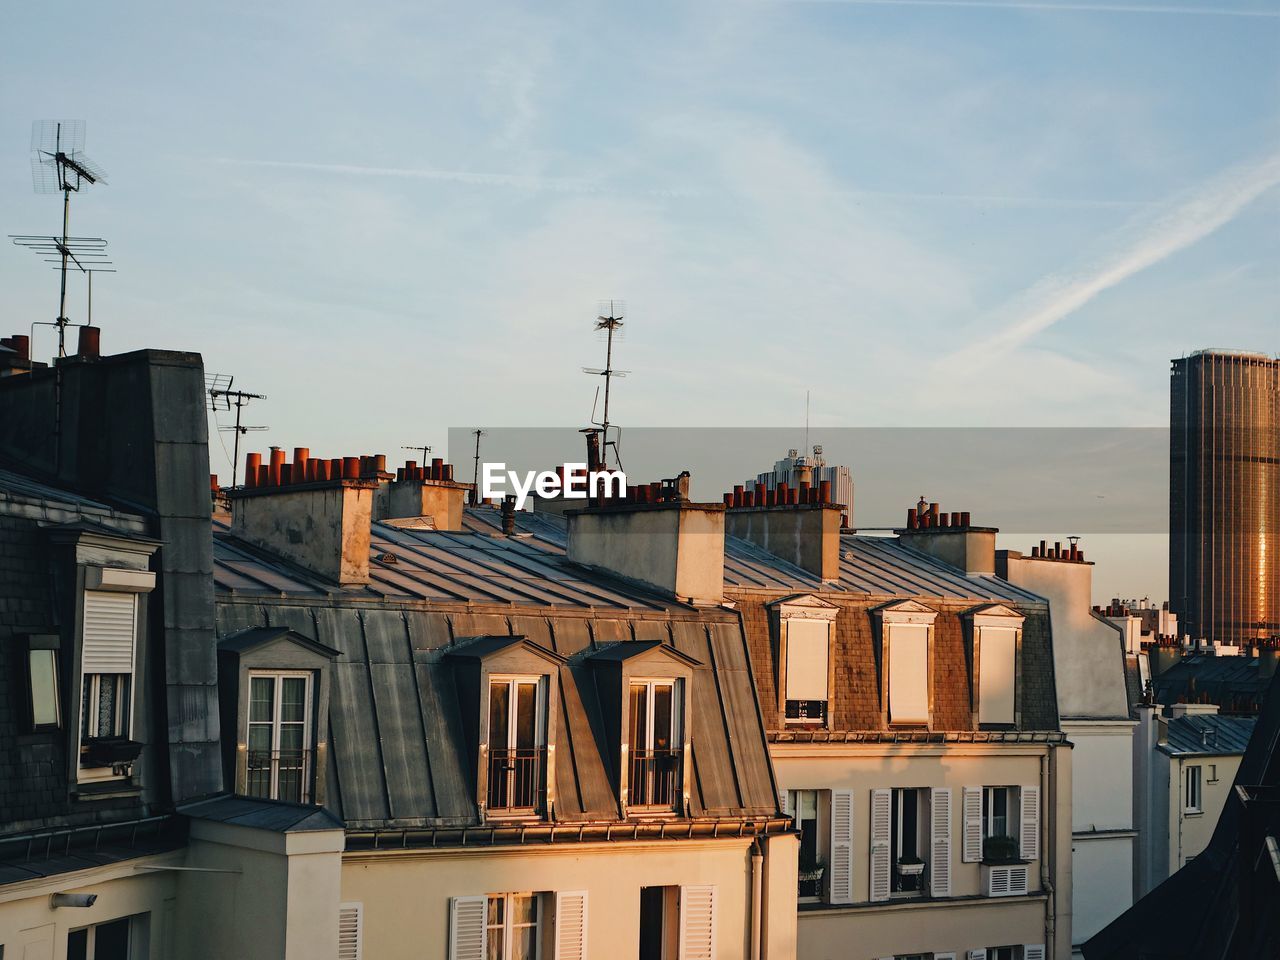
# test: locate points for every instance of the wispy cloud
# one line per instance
(1129, 8)
(1178, 224)
(561, 184)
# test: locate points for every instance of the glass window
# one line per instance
(655, 744)
(908, 823)
(804, 807)
(104, 713)
(513, 922)
(279, 731)
(517, 742)
(106, 941)
(807, 665)
(42, 669)
(1193, 790)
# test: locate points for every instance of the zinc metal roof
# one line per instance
(1208, 734)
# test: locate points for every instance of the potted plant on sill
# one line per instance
(910, 867)
(1000, 849)
(811, 868)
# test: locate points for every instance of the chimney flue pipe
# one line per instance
(90, 343)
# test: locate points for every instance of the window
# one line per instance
(997, 653)
(1000, 823)
(107, 664)
(42, 672)
(807, 670)
(517, 743)
(1193, 790)
(279, 755)
(659, 932)
(908, 841)
(908, 673)
(1213, 773)
(512, 924)
(803, 805)
(657, 752)
(123, 939)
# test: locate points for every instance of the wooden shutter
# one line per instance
(807, 659)
(1029, 832)
(881, 828)
(940, 841)
(571, 925)
(350, 916)
(979, 954)
(1033, 951)
(697, 923)
(841, 846)
(467, 931)
(972, 845)
(109, 627)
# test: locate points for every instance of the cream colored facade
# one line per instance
(969, 918)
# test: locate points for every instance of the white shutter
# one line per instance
(881, 827)
(785, 797)
(841, 846)
(697, 923)
(110, 621)
(1033, 951)
(807, 659)
(571, 925)
(349, 932)
(467, 931)
(997, 651)
(940, 841)
(1029, 839)
(979, 954)
(908, 673)
(972, 852)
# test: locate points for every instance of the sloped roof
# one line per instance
(275, 815)
(1208, 734)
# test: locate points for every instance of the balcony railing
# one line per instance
(515, 779)
(279, 775)
(655, 778)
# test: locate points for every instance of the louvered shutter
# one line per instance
(881, 827)
(467, 931)
(1033, 951)
(697, 923)
(1029, 833)
(979, 954)
(940, 841)
(350, 916)
(972, 803)
(571, 925)
(110, 621)
(841, 846)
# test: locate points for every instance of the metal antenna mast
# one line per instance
(58, 164)
(222, 397)
(415, 447)
(609, 321)
(475, 473)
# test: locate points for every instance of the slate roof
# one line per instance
(1208, 735)
(54, 852)
(1232, 682)
(274, 815)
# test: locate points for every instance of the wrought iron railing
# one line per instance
(279, 775)
(515, 778)
(655, 778)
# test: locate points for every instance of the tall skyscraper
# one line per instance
(1224, 495)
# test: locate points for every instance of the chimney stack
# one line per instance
(419, 491)
(950, 537)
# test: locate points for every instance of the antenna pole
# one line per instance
(806, 423)
(475, 473)
(240, 398)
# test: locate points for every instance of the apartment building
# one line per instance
(909, 698)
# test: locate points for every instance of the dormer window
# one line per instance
(997, 635)
(278, 765)
(805, 630)
(517, 743)
(656, 743)
(906, 633)
(108, 663)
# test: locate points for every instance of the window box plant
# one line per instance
(910, 867)
(1000, 849)
(110, 752)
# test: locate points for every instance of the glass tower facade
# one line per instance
(1224, 495)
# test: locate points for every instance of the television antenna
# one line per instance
(222, 397)
(610, 323)
(475, 474)
(59, 165)
(415, 447)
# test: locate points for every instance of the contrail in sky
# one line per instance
(1185, 220)
(1138, 8)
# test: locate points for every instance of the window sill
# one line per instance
(1193, 813)
(1011, 862)
(107, 789)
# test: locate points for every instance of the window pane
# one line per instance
(499, 714)
(291, 737)
(43, 667)
(262, 699)
(662, 712)
(526, 715)
(524, 909)
(524, 945)
(78, 945)
(259, 736)
(293, 696)
(107, 691)
(639, 717)
(497, 908)
(87, 707)
(111, 940)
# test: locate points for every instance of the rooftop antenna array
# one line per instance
(222, 397)
(59, 165)
(415, 447)
(609, 322)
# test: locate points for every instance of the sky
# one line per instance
(397, 218)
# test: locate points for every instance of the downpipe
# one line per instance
(757, 898)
